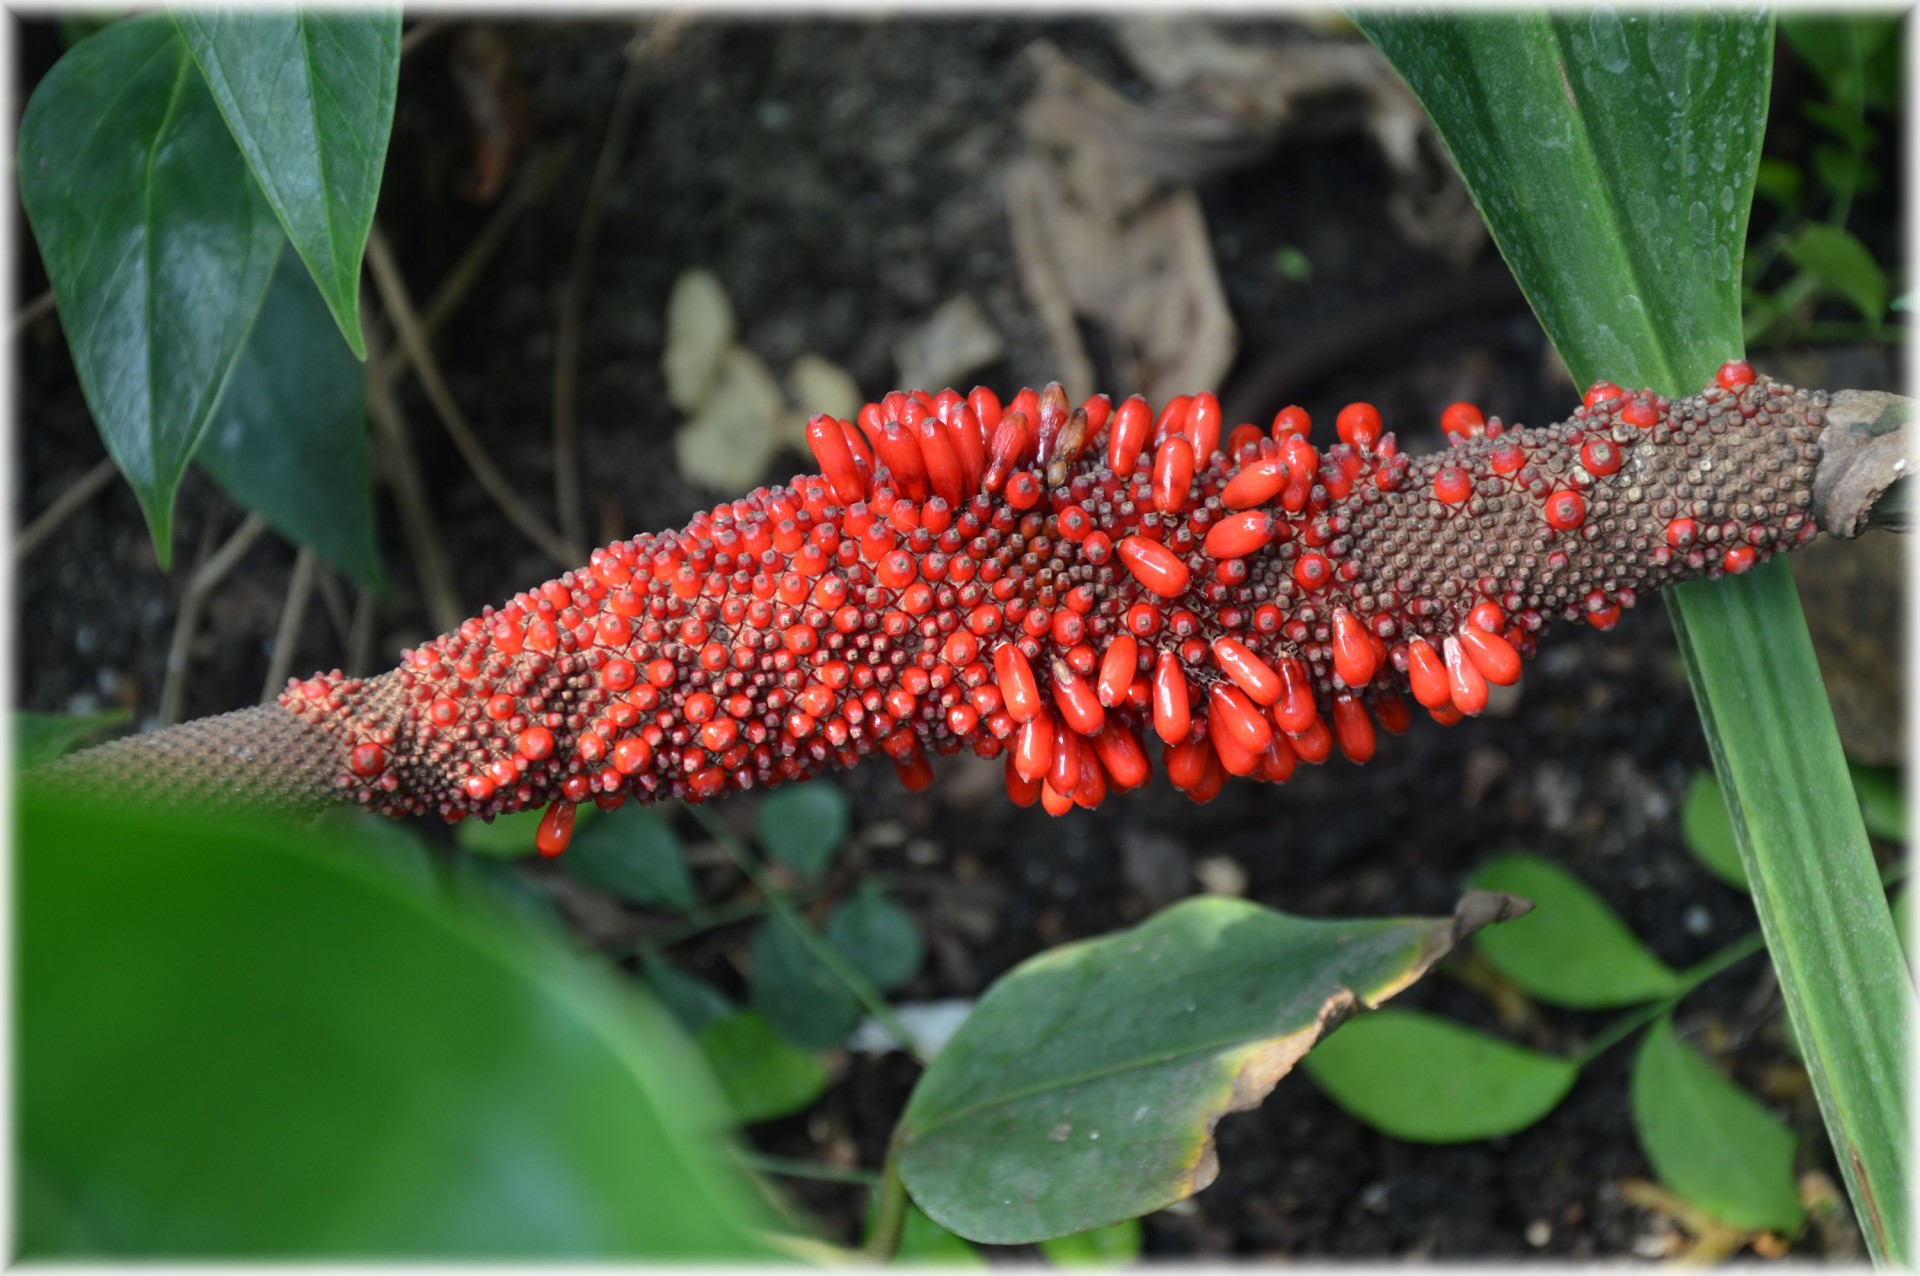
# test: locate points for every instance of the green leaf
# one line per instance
(1430, 1080)
(1780, 181)
(693, 1001)
(1882, 793)
(1843, 264)
(804, 1001)
(634, 854)
(1902, 909)
(762, 1076)
(1612, 153)
(1846, 52)
(309, 98)
(1572, 950)
(879, 937)
(1708, 1140)
(802, 825)
(1084, 1087)
(240, 1040)
(42, 737)
(290, 437)
(924, 1243)
(512, 836)
(1107, 1246)
(1846, 173)
(1707, 827)
(156, 239)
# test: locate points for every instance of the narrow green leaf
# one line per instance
(1843, 264)
(1708, 1140)
(803, 825)
(1084, 1087)
(1572, 950)
(796, 992)
(1902, 909)
(157, 241)
(290, 437)
(634, 854)
(238, 1040)
(1708, 829)
(42, 737)
(1883, 800)
(762, 1076)
(309, 98)
(693, 1001)
(1430, 1080)
(879, 937)
(1107, 1246)
(1612, 153)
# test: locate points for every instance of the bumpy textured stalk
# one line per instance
(1054, 585)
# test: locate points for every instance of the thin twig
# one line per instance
(406, 321)
(293, 613)
(360, 635)
(421, 32)
(334, 599)
(64, 507)
(394, 447)
(803, 1169)
(573, 293)
(210, 568)
(33, 310)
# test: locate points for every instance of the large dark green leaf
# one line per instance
(1612, 153)
(290, 438)
(237, 1040)
(157, 241)
(1084, 1087)
(635, 854)
(309, 98)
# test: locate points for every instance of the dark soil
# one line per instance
(841, 179)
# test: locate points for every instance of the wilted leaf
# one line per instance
(157, 241)
(308, 95)
(1430, 1080)
(42, 737)
(802, 825)
(762, 1076)
(1573, 950)
(1709, 1140)
(1085, 1086)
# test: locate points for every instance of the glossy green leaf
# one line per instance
(1612, 153)
(634, 854)
(693, 1001)
(240, 1040)
(1430, 1080)
(309, 97)
(879, 937)
(804, 1001)
(290, 437)
(157, 241)
(1842, 263)
(42, 737)
(924, 1243)
(1882, 793)
(1572, 220)
(1106, 1246)
(1084, 1087)
(1572, 950)
(1709, 1140)
(761, 1074)
(803, 825)
(1707, 827)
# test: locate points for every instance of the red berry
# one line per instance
(1735, 374)
(1156, 567)
(1738, 559)
(556, 829)
(1452, 485)
(1172, 713)
(1565, 510)
(1353, 729)
(1173, 475)
(1358, 425)
(1682, 532)
(1600, 457)
(1492, 655)
(1117, 668)
(1353, 655)
(1312, 572)
(1462, 420)
(1292, 421)
(1599, 392)
(1238, 535)
(1248, 671)
(1132, 424)
(1427, 675)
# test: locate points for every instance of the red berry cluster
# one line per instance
(1058, 585)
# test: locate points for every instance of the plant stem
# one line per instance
(789, 1168)
(890, 1218)
(830, 957)
(1692, 977)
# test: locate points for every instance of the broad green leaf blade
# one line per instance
(1572, 950)
(1612, 153)
(1084, 1087)
(795, 990)
(309, 98)
(1707, 826)
(924, 1243)
(802, 825)
(1430, 1080)
(157, 241)
(239, 1040)
(42, 737)
(879, 937)
(1107, 1246)
(636, 855)
(1842, 263)
(1708, 1140)
(290, 437)
(762, 1076)
(1815, 885)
